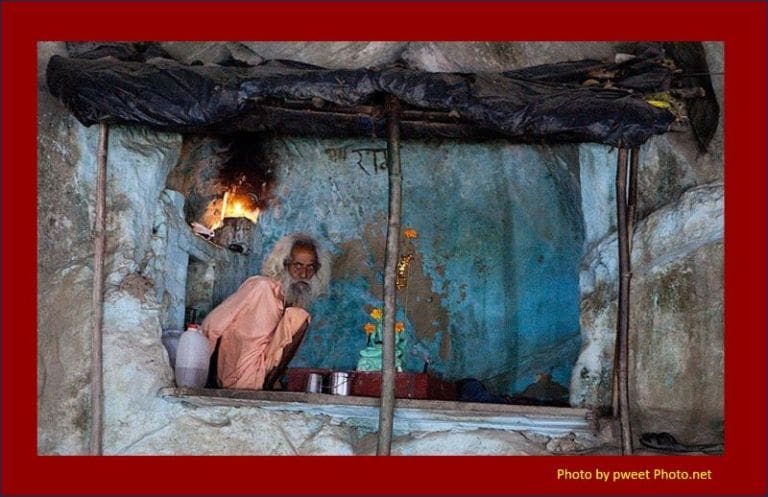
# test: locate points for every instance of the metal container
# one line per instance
(340, 383)
(314, 383)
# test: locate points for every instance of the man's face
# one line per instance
(302, 265)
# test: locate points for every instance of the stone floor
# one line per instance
(534, 430)
(614, 450)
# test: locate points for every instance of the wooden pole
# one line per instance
(387, 408)
(632, 196)
(98, 292)
(622, 343)
(631, 210)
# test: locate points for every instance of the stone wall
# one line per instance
(678, 275)
(676, 302)
(492, 288)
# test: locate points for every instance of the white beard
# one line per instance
(297, 293)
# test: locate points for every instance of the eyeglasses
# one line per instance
(298, 266)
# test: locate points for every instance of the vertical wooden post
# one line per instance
(631, 209)
(622, 333)
(97, 305)
(632, 195)
(387, 407)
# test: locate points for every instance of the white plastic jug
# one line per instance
(170, 339)
(192, 359)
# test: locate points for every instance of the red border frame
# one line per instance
(741, 25)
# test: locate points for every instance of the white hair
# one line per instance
(274, 264)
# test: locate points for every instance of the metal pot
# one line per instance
(340, 383)
(314, 383)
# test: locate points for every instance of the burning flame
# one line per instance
(236, 210)
(238, 205)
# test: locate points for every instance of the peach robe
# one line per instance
(254, 328)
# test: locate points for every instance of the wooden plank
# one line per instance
(213, 397)
(330, 124)
(409, 415)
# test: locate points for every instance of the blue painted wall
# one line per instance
(493, 288)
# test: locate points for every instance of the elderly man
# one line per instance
(263, 323)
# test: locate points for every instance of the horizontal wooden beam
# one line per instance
(359, 121)
(375, 111)
(410, 414)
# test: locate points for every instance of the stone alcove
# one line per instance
(681, 195)
(493, 290)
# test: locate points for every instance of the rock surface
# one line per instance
(677, 345)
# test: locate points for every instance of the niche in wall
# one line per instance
(493, 285)
(222, 249)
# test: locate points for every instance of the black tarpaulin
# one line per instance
(543, 104)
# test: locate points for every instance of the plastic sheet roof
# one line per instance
(541, 104)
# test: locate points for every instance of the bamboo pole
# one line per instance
(622, 344)
(387, 407)
(631, 208)
(98, 292)
(632, 196)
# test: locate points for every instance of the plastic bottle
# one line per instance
(192, 359)
(170, 339)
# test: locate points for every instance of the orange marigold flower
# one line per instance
(376, 313)
(369, 328)
(399, 327)
(411, 233)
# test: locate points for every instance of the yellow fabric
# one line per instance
(254, 330)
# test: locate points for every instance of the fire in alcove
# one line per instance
(239, 212)
(240, 205)
(248, 176)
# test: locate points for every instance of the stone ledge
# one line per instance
(410, 414)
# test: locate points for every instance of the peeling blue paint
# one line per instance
(500, 239)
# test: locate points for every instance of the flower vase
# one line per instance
(370, 356)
